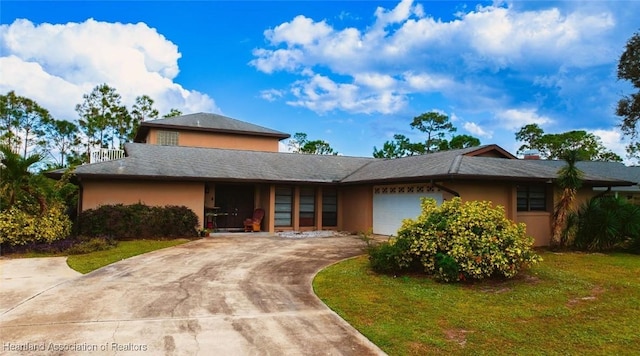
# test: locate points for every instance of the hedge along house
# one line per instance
(223, 169)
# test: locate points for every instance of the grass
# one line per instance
(571, 303)
(125, 249)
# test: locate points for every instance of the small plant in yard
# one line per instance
(367, 237)
(91, 245)
(457, 241)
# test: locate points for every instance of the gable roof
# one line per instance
(145, 161)
(207, 122)
(464, 164)
(489, 151)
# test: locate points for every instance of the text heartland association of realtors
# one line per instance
(71, 347)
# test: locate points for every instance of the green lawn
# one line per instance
(571, 303)
(125, 249)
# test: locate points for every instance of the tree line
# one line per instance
(28, 129)
(103, 121)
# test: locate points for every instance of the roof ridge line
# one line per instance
(360, 168)
(455, 165)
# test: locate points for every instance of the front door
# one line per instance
(235, 203)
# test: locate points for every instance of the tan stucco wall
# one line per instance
(189, 194)
(538, 225)
(355, 208)
(499, 193)
(263, 194)
(220, 140)
(584, 194)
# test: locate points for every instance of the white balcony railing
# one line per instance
(105, 154)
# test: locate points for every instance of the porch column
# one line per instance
(295, 213)
(271, 214)
(339, 196)
(318, 208)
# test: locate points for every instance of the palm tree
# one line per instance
(17, 184)
(569, 180)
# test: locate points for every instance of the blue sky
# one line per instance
(351, 73)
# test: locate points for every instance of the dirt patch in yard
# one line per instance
(459, 336)
(595, 293)
(500, 285)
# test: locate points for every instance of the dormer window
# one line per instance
(167, 138)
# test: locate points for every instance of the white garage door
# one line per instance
(392, 204)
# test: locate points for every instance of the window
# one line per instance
(532, 198)
(307, 206)
(329, 207)
(284, 200)
(167, 138)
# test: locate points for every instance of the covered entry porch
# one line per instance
(287, 207)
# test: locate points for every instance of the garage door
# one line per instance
(393, 203)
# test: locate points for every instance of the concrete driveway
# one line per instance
(228, 295)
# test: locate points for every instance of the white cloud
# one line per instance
(301, 31)
(55, 64)
(399, 14)
(375, 80)
(427, 82)
(271, 61)
(321, 94)
(516, 118)
(502, 35)
(271, 94)
(405, 51)
(476, 130)
(612, 139)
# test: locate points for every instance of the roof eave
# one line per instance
(99, 176)
(145, 126)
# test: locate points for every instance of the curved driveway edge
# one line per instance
(231, 295)
(24, 278)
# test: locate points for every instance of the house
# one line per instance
(223, 169)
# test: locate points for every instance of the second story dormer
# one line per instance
(209, 131)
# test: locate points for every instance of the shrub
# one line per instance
(175, 221)
(388, 257)
(94, 244)
(19, 227)
(138, 221)
(634, 245)
(457, 241)
(608, 222)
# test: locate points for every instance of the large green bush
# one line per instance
(138, 221)
(19, 226)
(606, 223)
(459, 241)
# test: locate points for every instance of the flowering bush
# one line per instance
(458, 241)
(19, 227)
